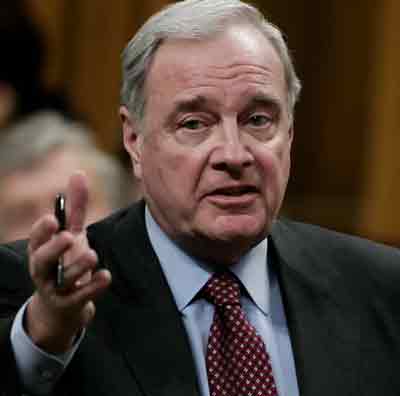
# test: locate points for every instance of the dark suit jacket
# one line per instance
(341, 295)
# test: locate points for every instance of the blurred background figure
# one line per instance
(37, 156)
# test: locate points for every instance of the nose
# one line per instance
(231, 155)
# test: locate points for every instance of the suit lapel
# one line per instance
(323, 323)
(145, 319)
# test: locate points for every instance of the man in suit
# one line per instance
(208, 97)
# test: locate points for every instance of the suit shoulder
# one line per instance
(15, 283)
(131, 212)
(14, 250)
(13, 259)
(344, 250)
(311, 233)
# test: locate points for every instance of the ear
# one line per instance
(132, 139)
(291, 133)
(288, 143)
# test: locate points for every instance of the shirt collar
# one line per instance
(186, 275)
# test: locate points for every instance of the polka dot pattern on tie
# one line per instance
(237, 361)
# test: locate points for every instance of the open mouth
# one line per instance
(234, 191)
(233, 197)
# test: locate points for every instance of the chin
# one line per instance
(223, 241)
(238, 229)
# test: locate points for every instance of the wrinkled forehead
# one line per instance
(240, 57)
(238, 44)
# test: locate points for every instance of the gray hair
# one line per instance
(195, 19)
(37, 136)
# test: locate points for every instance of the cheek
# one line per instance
(283, 158)
(275, 168)
(168, 172)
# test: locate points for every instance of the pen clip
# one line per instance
(60, 212)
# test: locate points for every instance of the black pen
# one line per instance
(60, 213)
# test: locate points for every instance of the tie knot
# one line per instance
(222, 289)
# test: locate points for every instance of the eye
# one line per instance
(259, 120)
(193, 130)
(192, 124)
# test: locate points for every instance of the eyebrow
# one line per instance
(261, 99)
(193, 104)
(200, 102)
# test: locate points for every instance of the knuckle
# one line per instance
(33, 270)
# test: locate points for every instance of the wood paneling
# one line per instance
(379, 216)
(50, 17)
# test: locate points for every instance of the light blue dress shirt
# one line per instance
(263, 306)
(186, 275)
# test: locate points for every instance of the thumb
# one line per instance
(77, 201)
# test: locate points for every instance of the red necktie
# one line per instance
(237, 361)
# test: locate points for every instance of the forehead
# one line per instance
(239, 54)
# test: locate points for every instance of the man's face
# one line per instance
(214, 156)
(28, 193)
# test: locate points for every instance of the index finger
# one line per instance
(77, 202)
(42, 231)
